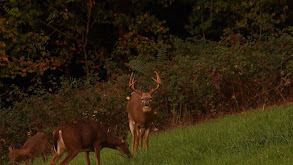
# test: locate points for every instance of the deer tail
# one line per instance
(60, 143)
(55, 140)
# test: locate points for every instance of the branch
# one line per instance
(58, 30)
(88, 22)
(94, 21)
(52, 27)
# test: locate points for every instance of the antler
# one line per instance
(131, 84)
(158, 81)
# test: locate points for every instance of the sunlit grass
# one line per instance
(255, 137)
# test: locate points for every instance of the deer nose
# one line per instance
(146, 103)
(129, 155)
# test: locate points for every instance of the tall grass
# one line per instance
(255, 137)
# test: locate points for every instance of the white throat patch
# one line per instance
(146, 109)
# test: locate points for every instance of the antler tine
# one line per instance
(131, 84)
(131, 81)
(158, 81)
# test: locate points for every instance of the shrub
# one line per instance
(199, 78)
(76, 100)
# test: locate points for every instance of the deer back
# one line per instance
(37, 143)
(85, 137)
(79, 135)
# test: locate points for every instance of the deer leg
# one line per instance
(147, 131)
(97, 152)
(56, 157)
(132, 130)
(31, 156)
(142, 130)
(44, 156)
(137, 135)
(70, 155)
(86, 157)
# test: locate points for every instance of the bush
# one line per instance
(199, 78)
(202, 77)
(76, 100)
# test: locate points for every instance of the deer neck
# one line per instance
(111, 142)
(19, 152)
(146, 108)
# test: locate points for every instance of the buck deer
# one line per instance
(35, 145)
(140, 113)
(84, 137)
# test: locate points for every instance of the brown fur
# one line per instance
(140, 113)
(84, 137)
(35, 145)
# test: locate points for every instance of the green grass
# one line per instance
(255, 137)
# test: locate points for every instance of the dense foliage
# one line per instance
(65, 61)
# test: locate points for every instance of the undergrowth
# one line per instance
(255, 137)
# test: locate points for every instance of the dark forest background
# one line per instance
(63, 61)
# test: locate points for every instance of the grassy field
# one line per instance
(255, 137)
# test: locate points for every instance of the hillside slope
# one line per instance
(255, 137)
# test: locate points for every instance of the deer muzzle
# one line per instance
(146, 109)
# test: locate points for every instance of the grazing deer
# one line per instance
(35, 145)
(84, 137)
(140, 113)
